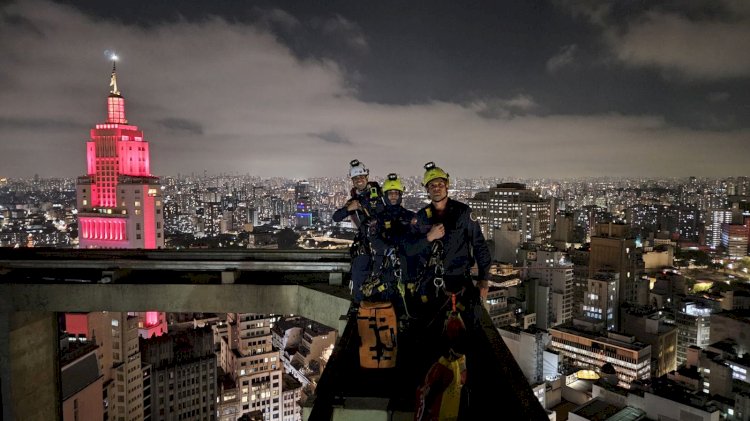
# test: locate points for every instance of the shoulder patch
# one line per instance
(473, 216)
(428, 211)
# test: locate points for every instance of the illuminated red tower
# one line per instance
(119, 201)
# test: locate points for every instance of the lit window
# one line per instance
(137, 203)
(85, 202)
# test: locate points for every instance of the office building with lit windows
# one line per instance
(522, 208)
(693, 329)
(552, 273)
(601, 298)
(734, 239)
(183, 374)
(116, 334)
(119, 202)
(630, 359)
(254, 363)
(613, 248)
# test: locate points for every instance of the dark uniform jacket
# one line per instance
(393, 226)
(463, 242)
(364, 220)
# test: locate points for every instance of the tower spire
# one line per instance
(113, 79)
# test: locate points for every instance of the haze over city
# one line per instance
(494, 89)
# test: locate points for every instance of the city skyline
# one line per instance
(280, 89)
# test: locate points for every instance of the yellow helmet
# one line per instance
(432, 172)
(393, 183)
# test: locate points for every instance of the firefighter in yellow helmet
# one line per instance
(455, 225)
(448, 241)
(392, 227)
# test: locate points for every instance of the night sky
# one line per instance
(511, 89)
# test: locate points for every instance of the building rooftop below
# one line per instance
(628, 414)
(290, 383)
(570, 329)
(310, 326)
(596, 410)
(77, 376)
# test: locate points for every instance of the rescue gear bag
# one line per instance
(378, 326)
(439, 398)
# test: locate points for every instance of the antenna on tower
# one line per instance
(113, 79)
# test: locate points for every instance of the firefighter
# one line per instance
(448, 241)
(393, 224)
(362, 208)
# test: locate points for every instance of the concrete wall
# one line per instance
(30, 369)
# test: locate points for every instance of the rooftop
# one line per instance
(596, 410)
(35, 284)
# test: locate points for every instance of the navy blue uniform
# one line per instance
(393, 225)
(365, 221)
(463, 243)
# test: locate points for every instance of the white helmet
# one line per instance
(357, 168)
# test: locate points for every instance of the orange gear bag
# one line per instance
(377, 326)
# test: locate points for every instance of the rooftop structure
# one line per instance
(210, 282)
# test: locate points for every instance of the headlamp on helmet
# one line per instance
(357, 168)
(393, 183)
(432, 172)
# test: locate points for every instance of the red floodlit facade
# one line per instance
(119, 201)
(152, 323)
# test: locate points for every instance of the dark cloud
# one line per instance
(274, 89)
(697, 40)
(333, 137)
(21, 23)
(181, 125)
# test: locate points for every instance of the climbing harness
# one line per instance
(435, 262)
(374, 282)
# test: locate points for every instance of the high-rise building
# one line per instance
(151, 323)
(305, 346)
(600, 300)
(479, 205)
(248, 355)
(81, 380)
(292, 395)
(614, 249)
(119, 201)
(630, 359)
(119, 355)
(693, 329)
(303, 215)
(515, 204)
(529, 348)
(734, 239)
(715, 219)
(553, 274)
(732, 325)
(651, 327)
(183, 374)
